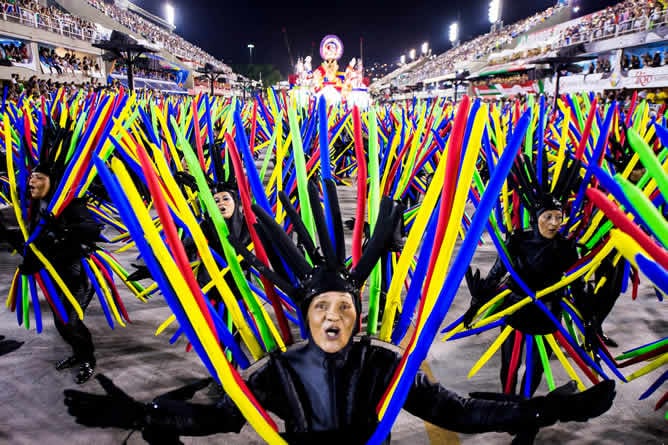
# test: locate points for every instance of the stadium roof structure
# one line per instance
(212, 73)
(126, 48)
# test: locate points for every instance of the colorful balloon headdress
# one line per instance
(540, 193)
(304, 270)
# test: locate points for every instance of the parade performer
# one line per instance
(64, 240)
(540, 256)
(49, 171)
(327, 79)
(327, 389)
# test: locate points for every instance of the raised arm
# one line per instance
(440, 406)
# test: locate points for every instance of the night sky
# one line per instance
(389, 28)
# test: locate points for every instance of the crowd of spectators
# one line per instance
(34, 87)
(14, 52)
(624, 17)
(647, 60)
(157, 34)
(51, 18)
(477, 48)
(143, 73)
(68, 63)
(55, 19)
(601, 65)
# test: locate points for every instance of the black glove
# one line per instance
(186, 392)
(565, 404)
(161, 434)
(114, 409)
(479, 294)
(186, 180)
(141, 273)
(496, 396)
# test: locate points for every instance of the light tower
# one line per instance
(454, 34)
(425, 48)
(250, 53)
(170, 13)
(495, 15)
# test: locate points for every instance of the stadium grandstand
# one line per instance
(626, 45)
(49, 43)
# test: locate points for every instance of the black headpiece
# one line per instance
(53, 152)
(327, 270)
(539, 196)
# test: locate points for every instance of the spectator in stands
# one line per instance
(626, 62)
(656, 61)
(635, 62)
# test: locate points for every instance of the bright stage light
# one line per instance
(411, 54)
(454, 32)
(494, 11)
(425, 48)
(169, 13)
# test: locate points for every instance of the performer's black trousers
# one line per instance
(74, 332)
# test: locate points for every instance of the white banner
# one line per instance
(632, 79)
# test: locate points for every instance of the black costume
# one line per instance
(331, 398)
(328, 397)
(238, 230)
(540, 262)
(64, 241)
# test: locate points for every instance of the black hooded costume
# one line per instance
(540, 262)
(328, 397)
(64, 240)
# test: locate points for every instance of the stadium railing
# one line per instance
(637, 24)
(60, 26)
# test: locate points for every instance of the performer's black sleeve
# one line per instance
(178, 418)
(168, 418)
(499, 270)
(442, 407)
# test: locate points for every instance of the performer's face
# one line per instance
(39, 185)
(636, 174)
(331, 319)
(225, 204)
(549, 223)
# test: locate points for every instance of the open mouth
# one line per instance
(332, 333)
